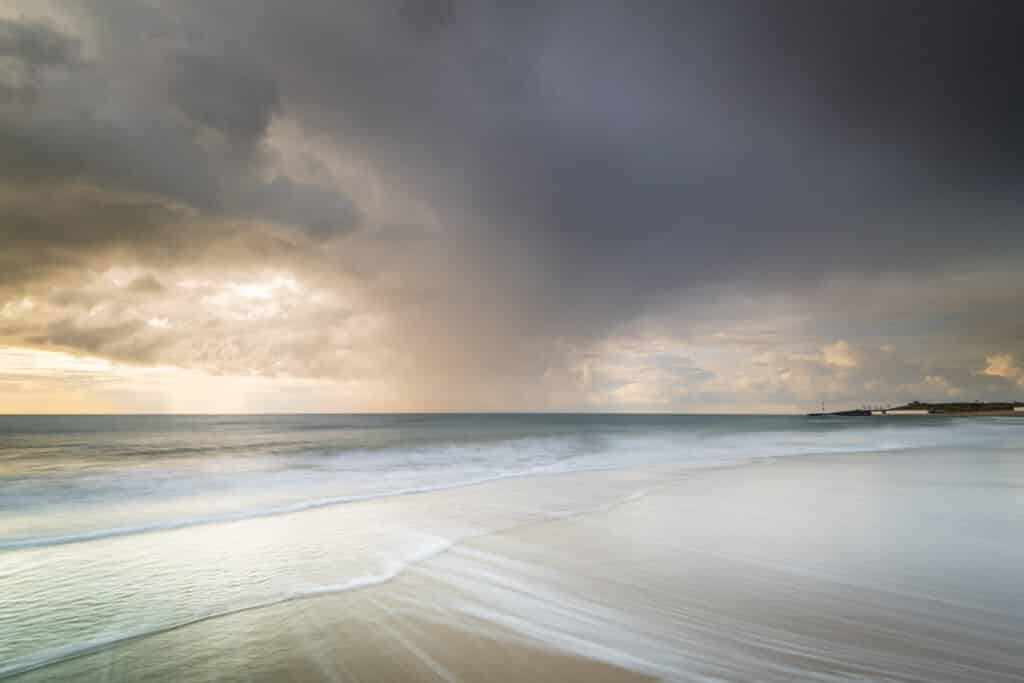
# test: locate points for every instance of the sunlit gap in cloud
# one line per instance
(37, 381)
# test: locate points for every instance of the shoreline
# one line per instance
(695, 578)
(852, 413)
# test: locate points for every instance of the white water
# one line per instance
(201, 537)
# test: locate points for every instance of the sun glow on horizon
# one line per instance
(35, 381)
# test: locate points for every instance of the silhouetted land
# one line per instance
(955, 409)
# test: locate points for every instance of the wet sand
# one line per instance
(885, 567)
(358, 636)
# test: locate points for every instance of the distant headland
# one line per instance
(959, 409)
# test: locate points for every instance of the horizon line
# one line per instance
(396, 412)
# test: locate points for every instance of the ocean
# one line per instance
(443, 547)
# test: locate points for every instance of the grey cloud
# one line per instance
(97, 126)
(96, 339)
(638, 151)
(641, 149)
(27, 52)
(232, 98)
(36, 44)
(146, 284)
(323, 210)
(60, 236)
(566, 169)
(64, 229)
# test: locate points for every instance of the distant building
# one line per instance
(959, 409)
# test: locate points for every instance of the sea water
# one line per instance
(117, 531)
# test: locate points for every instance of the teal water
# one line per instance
(116, 529)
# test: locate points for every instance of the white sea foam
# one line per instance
(427, 549)
(764, 595)
(226, 562)
(423, 550)
(549, 456)
(222, 518)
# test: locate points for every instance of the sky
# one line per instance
(447, 205)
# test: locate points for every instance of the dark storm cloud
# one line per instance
(143, 127)
(560, 168)
(36, 45)
(231, 98)
(937, 76)
(627, 141)
(638, 147)
(29, 52)
(50, 231)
